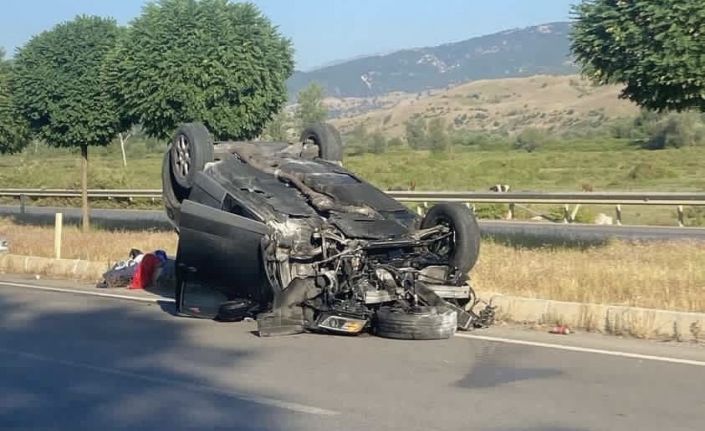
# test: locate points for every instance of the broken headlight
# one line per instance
(342, 324)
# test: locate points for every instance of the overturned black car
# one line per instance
(283, 233)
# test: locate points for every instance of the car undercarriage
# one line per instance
(278, 233)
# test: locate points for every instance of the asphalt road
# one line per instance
(524, 231)
(72, 362)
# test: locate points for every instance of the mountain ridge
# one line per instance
(540, 49)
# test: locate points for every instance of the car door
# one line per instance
(218, 258)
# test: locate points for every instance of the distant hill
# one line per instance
(543, 49)
(553, 102)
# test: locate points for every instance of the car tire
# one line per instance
(190, 150)
(419, 323)
(327, 138)
(465, 246)
(172, 193)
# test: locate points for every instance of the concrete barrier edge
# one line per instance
(61, 268)
(609, 319)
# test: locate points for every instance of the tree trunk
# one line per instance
(122, 148)
(85, 221)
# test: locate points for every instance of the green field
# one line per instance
(617, 165)
(574, 165)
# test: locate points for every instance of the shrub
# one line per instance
(378, 144)
(416, 135)
(676, 130)
(395, 142)
(530, 139)
(356, 142)
(437, 135)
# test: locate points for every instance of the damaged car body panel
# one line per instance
(273, 231)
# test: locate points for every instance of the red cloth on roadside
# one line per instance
(145, 271)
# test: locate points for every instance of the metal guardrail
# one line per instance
(92, 193)
(679, 200)
(423, 198)
(606, 198)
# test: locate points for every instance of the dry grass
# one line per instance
(512, 103)
(98, 245)
(652, 275)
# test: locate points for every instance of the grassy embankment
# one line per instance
(606, 164)
(656, 275)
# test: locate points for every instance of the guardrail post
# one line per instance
(510, 213)
(23, 201)
(681, 223)
(58, 227)
(574, 213)
(566, 213)
(618, 214)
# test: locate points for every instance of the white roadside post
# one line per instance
(58, 226)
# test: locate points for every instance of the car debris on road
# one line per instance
(560, 330)
(139, 271)
(282, 232)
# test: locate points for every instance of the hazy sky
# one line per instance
(321, 30)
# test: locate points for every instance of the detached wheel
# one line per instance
(419, 323)
(191, 149)
(327, 138)
(462, 246)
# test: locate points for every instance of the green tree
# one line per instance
(357, 141)
(310, 108)
(278, 127)
(59, 90)
(654, 47)
(437, 135)
(416, 133)
(214, 61)
(378, 144)
(13, 129)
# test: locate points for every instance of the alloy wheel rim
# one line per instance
(183, 156)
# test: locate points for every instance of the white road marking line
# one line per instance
(463, 335)
(585, 350)
(273, 402)
(87, 292)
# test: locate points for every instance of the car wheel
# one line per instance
(418, 323)
(462, 247)
(327, 138)
(191, 149)
(172, 193)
